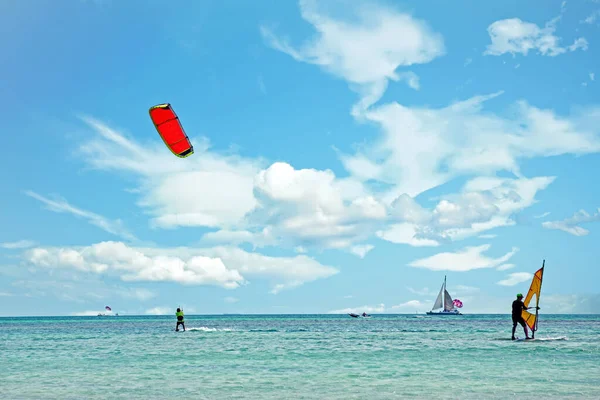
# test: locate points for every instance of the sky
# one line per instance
(348, 155)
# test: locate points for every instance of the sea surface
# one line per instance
(298, 357)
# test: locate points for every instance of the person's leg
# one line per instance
(182, 324)
(522, 322)
(514, 329)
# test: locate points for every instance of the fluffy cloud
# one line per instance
(516, 36)
(62, 206)
(515, 278)
(467, 259)
(483, 204)
(385, 37)
(571, 225)
(219, 266)
(307, 208)
(177, 193)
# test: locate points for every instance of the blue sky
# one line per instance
(348, 155)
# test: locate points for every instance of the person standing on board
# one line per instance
(180, 321)
(517, 317)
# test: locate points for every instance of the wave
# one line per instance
(207, 329)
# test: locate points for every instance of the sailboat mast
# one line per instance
(537, 301)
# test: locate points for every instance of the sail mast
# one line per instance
(537, 302)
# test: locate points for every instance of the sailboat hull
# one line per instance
(456, 312)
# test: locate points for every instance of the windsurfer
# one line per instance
(517, 317)
(180, 321)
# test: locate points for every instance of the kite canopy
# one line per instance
(170, 130)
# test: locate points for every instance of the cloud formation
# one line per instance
(219, 266)
(389, 39)
(114, 227)
(571, 225)
(515, 36)
(515, 278)
(468, 259)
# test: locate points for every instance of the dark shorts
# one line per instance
(518, 319)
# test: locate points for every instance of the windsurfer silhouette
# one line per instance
(517, 317)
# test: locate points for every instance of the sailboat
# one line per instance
(534, 289)
(445, 302)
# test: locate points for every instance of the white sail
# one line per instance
(439, 301)
(448, 303)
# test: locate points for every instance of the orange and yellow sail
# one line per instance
(534, 290)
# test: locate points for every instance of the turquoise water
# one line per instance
(297, 357)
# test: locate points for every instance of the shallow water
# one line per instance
(297, 356)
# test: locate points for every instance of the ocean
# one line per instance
(298, 357)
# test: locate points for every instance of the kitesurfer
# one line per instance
(517, 317)
(180, 321)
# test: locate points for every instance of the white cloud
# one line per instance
(134, 265)
(160, 311)
(541, 215)
(388, 39)
(308, 208)
(515, 278)
(359, 310)
(487, 236)
(592, 76)
(571, 225)
(483, 204)
(505, 267)
(467, 259)
(516, 36)
(362, 250)
(20, 244)
(220, 266)
(177, 192)
(421, 148)
(231, 300)
(114, 227)
(468, 61)
(6, 294)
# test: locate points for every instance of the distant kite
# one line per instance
(170, 130)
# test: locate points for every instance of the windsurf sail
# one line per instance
(534, 290)
(170, 130)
